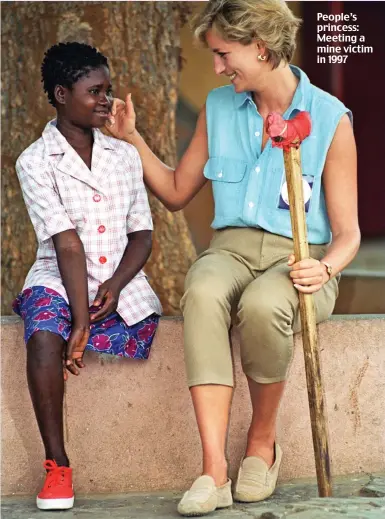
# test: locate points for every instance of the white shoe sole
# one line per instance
(244, 497)
(199, 513)
(55, 504)
(196, 510)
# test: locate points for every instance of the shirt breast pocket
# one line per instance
(227, 176)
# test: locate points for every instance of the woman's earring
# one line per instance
(261, 58)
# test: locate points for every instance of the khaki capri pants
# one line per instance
(245, 271)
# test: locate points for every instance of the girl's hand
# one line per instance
(106, 301)
(75, 348)
(121, 122)
(308, 275)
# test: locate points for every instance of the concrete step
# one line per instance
(362, 286)
(355, 497)
(361, 293)
(130, 424)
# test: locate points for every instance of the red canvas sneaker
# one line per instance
(57, 492)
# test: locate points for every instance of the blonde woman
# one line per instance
(249, 265)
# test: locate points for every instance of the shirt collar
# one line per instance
(57, 144)
(240, 99)
(104, 141)
(300, 96)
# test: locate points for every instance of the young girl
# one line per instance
(85, 196)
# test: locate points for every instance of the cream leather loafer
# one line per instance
(204, 497)
(256, 481)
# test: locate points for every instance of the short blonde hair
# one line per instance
(269, 21)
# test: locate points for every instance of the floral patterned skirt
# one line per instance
(43, 309)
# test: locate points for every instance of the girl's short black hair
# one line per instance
(66, 63)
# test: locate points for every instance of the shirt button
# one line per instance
(257, 134)
(220, 174)
(251, 204)
(102, 259)
(101, 229)
(257, 169)
(96, 197)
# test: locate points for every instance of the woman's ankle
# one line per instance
(217, 470)
(261, 448)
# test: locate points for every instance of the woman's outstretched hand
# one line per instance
(308, 275)
(121, 122)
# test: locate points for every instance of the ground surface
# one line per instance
(355, 497)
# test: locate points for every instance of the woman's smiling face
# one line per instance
(88, 103)
(237, 61)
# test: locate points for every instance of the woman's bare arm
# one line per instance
(340, 185)
(174, 187)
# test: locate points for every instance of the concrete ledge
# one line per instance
(130, 425)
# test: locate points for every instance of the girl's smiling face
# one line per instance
(88, 103)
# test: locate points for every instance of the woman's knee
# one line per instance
(265, 309)
(266, 359)
(265, 326)
(206, 295)
(267, 366)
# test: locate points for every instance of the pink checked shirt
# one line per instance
(103, 206)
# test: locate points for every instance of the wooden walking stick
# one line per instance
(289, 135)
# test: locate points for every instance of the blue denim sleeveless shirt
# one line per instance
(249, 185)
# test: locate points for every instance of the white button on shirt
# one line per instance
(220, 174)
(60, 192)
(251, 205)
(257, 169)
(257, 134)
